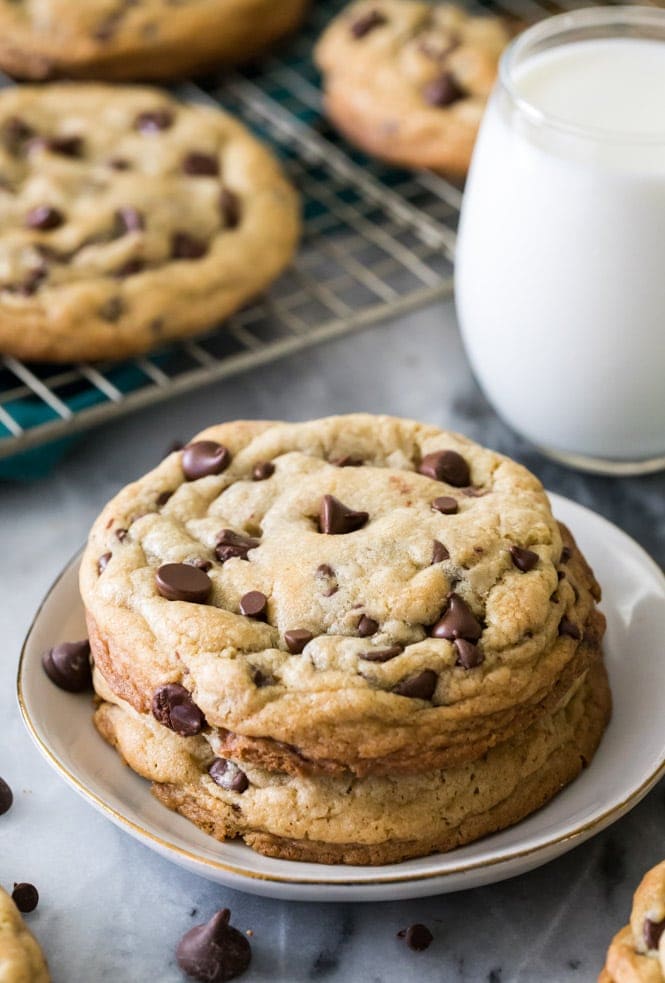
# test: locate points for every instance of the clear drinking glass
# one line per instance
(560, 273)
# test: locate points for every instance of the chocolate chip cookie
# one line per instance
(408, 81)
(129, 219)
(21, 959)
(637, 952)
(137, 39)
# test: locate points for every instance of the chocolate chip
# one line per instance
(472, 492)
(566, 554)
(445, 504)
(121, 534)
(68, 666)
(296, 639)
(214, 953)
(417, 937)
(566, 627)
(119, 164)
(154, 120)
(448, 466)
(200, 564)
(653, 932)
(103, 562)
(382, 655)
(442, 91)
(262, 471)
(30, 284)
(25, 897)
(163, 498)
(229, 206)
(201, 165)
(468, 655)
(418, 685)
(326, 572)
(439, 552)
(523, 559)
(44, 218)
(261, 679)
(15, 132)
(347, 461)
(368, 22)
(227, 775)
(203, 458)
(6, 797)
(129, 219)
(335, 518)
(130, 267)
(112, 309)
(183, 582)
(233, 544)
(253, 604)
(560, 575)
(184, 246)
(367, 626)
(67, 146)
(457, 621)
(173, 706)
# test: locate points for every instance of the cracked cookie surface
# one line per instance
(21, 959)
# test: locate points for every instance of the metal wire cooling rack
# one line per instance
(377, 242)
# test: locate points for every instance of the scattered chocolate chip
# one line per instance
(335, 518)
(112, 309)
(417, 937)
(201, 165)
(214, 953)
(200, 564)
(121, 534)
(653, 932)
(448, 466)
(347, 461)
(68, 666)
(173, 706)
(367, 626)
(468, 655)
(25, 897)
(154, 120)
(44, 218)
(296, 639)
(227, 775)
(229, 206)
(6, 797)
(183, 582)
(184, 246)
(523, 559)
(204, 457)
(418, 685)
(129, 219)
(103, 562)
(253, 604)
(445, 504)
(163, 498)
(442, 91)
(439, 552)
(234, 544)
(567, 627)
(566, 554)
(382, 655)
(130, 267)
(263, 471)
(367, 22)
(326, 572)
(457, 621)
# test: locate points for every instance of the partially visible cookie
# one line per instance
(128, 219)
(408, 81)
(637, 953)
(21, 959)
(129, 40)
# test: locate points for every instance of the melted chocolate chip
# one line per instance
(44, 218)
(184, 246)
(129, 219)
(653, 932)
(336, 519)
(183, 582)
(382, 655)
(468, 655)
(68, 666)
(442, 91)
(204, 457)
(103, 562)
(173, 706)
(25, 897)
(227, 775)
(214, 953)
(367, 22)
(418, 937)
(445, 504)
(566, 554)
(439, 552)
(154, 120)
(6, 797)
(457, 621)
(523, 559)
(448, 466)
(121, 534)
(254, 604)
(263, 471)
(418, 685)
(296, 639)
(200, 165)
(234, 544)
(567, 627)
(200, 564)
(326, 572)
(229, 206)
(66, 146)
(367, 626)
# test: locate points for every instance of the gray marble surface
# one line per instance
(112, 910)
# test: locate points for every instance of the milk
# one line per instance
(560, 280)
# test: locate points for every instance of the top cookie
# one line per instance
(137, 39)
(372, 592)
(408, 81)
(128, 218)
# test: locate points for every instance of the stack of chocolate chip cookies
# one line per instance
(354, 640)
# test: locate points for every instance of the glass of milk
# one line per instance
(560, 279)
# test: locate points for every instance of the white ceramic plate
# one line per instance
(630, 760)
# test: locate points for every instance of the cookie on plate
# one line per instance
(21, 959)
(637, 953)
(407, 81)
(126, 40)
(128, 219)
